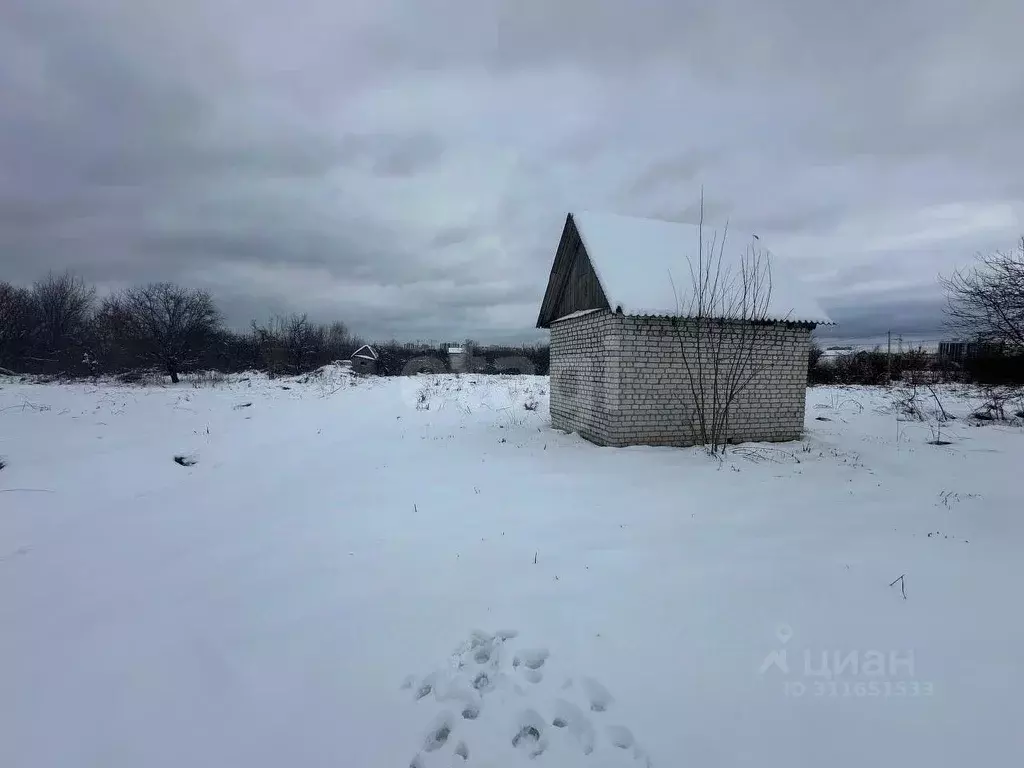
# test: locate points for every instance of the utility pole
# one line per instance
(888, 357)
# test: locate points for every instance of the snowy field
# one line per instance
(420, 572)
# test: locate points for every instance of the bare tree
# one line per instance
(15, 323)
(62, 305)
(986, 302)
(338, 340)
(722, 320)
(292, 344)
(164, 322)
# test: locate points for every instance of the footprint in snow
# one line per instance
(438, 733)
(531, 658)
(483, 683)
(533, 675)
(479, 668)
(575, 721)
(529, 734)
(620, 736)
(424, 689)
(481, 648)
(598, 696)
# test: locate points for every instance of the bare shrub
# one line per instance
(814, 355)
(201, 379)
(720, 324)
(837, 402)
(907, 403)
(423, 398)
(913, 401)
(143, 377)
(937, 439)
(944, 415)
(997, 399)
(994, 365)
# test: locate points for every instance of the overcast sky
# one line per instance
(406, 165)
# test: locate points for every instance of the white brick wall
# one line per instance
(625, 381)
(584, 376)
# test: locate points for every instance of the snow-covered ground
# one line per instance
(421, 572)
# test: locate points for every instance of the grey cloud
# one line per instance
(407, 166)
(813, 218)
(673, 169)
(690, 212)
(452, 236)
(901, 314)
(409, 156)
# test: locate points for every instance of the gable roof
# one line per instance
(644, 267)
(366, 352)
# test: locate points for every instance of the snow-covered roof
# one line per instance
(579, 313)
(366, 352)
(644, 267)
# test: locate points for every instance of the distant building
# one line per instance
(958, 351)
(365, 360)
(459, 358)
(618, 373)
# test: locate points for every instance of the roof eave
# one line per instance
(774, 320)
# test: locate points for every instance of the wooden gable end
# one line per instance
(573, 285)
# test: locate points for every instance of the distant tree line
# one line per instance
(994, 365)
(59, 327)
(984, 308)
(873, 366)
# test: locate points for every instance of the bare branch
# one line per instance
(986, 302)
(721, 331)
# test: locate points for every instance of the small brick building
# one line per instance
(623, 343)
(365, 360)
